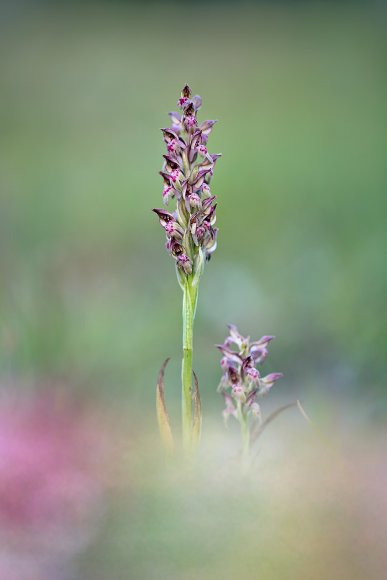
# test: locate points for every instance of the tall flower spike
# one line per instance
(187, 172)
(189, 226)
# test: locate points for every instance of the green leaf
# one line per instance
(197, 408)
(262, 426)
(258, 430)
(162, 414)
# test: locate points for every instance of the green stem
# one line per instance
(190, 296)
(245, 431)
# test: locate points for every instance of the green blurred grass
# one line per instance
(87, 291)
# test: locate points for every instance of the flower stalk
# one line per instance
(245, 432)
(190, 297)
(190, 229)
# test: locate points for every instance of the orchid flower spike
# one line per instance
(187, 172)
(191, 237)
(242, 385)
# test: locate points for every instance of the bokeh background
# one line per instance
(90, 306)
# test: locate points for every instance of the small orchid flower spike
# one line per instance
(242, 385)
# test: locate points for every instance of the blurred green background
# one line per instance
(88, 292)
(88, 295)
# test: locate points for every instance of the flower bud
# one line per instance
(252, 374)
(172, 146)
(186, 92)
(184, 97)
(173, 229)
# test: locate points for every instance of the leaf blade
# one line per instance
(262, 426)
(162, 413)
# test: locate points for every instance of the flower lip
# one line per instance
(190, 121)
(252, 373)
(172, 146)
(238, 392)
(182, 101)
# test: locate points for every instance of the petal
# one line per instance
(235, 335)
(272, 378)
(197, 101)
(206, 126)
(175, 117)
